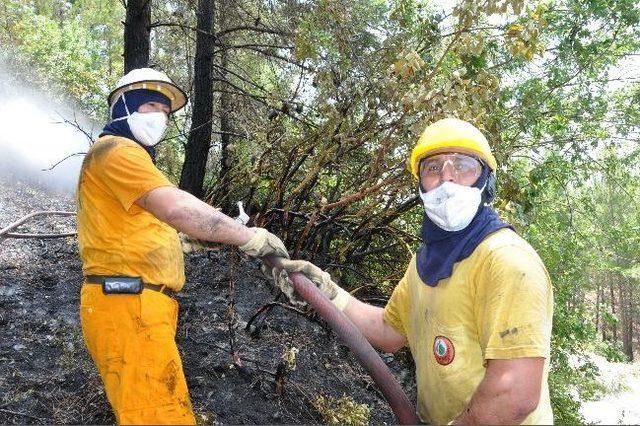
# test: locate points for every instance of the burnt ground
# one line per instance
(46, 375)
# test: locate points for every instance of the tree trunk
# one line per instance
(613, 308)
(137, 28)
(199, 141)
(598, 291)
(225, 137)
(627, 318)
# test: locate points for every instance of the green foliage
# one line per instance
(612, 351)
(326, 108)
(569, 218)
(563, 384)
(70, 49)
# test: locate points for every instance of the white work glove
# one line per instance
(264, 243)
(243, 217)
(338, 296)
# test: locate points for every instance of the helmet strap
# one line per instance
(126, 108)
(490, 190)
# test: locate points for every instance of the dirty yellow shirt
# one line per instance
(116, 236)
(497, 304)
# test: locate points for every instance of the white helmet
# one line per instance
(150, 79)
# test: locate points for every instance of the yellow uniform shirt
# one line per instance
(497, 304)
(116, 236)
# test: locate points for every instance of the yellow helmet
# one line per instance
(451, 134)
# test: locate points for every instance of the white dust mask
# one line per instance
(147, 127)
(452, 206)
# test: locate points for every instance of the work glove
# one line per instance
(264, 243)
(338, 296)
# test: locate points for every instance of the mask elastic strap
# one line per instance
(486, 182)
(126, 108)
(420, 191)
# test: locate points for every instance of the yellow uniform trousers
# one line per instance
(131, 339)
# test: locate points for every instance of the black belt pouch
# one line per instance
(122, 285)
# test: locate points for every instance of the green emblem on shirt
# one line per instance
(443, 350)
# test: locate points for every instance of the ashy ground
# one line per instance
(46, 375)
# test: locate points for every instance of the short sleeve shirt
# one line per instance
(497, 304)
(115, 235)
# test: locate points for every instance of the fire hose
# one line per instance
(351, 336)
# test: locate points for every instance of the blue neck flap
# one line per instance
(441, 249)
(124, 107)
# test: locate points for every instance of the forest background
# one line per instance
(306, 111)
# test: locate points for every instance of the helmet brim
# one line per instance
(176, 95)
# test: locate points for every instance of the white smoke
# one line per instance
(36, 133)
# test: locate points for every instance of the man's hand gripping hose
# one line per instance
(350, 336)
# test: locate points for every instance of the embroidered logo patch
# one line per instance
(443, 350)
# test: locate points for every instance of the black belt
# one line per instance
(99, 279)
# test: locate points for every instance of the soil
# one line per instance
(46, 375)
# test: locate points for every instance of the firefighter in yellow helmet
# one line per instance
(475, 304)
(128, 214)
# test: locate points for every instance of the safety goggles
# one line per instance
(461, 166)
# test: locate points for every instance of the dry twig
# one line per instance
(38, 236)
(17, 413)
(4, 232)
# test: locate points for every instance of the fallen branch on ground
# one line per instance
(17, 413)
(261, 314)
(38, 236)
(5, 232)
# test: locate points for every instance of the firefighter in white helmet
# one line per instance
(475, 304)
(128, 214)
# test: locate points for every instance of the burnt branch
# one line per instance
(216, 36)
(260, 315)
(61, 161)
(24, 219)
(360, 194)
(77, 126)
(264, 30)
(234, 134)
(255, 46)
(18, 413)
(38, 236)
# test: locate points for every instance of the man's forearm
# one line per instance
(194, 217)
(487, 407)
(201, 221)
(370, 322)
(508, 393)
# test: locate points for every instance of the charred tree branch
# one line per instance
(64, 159)
(24, 219)
(38, 236)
